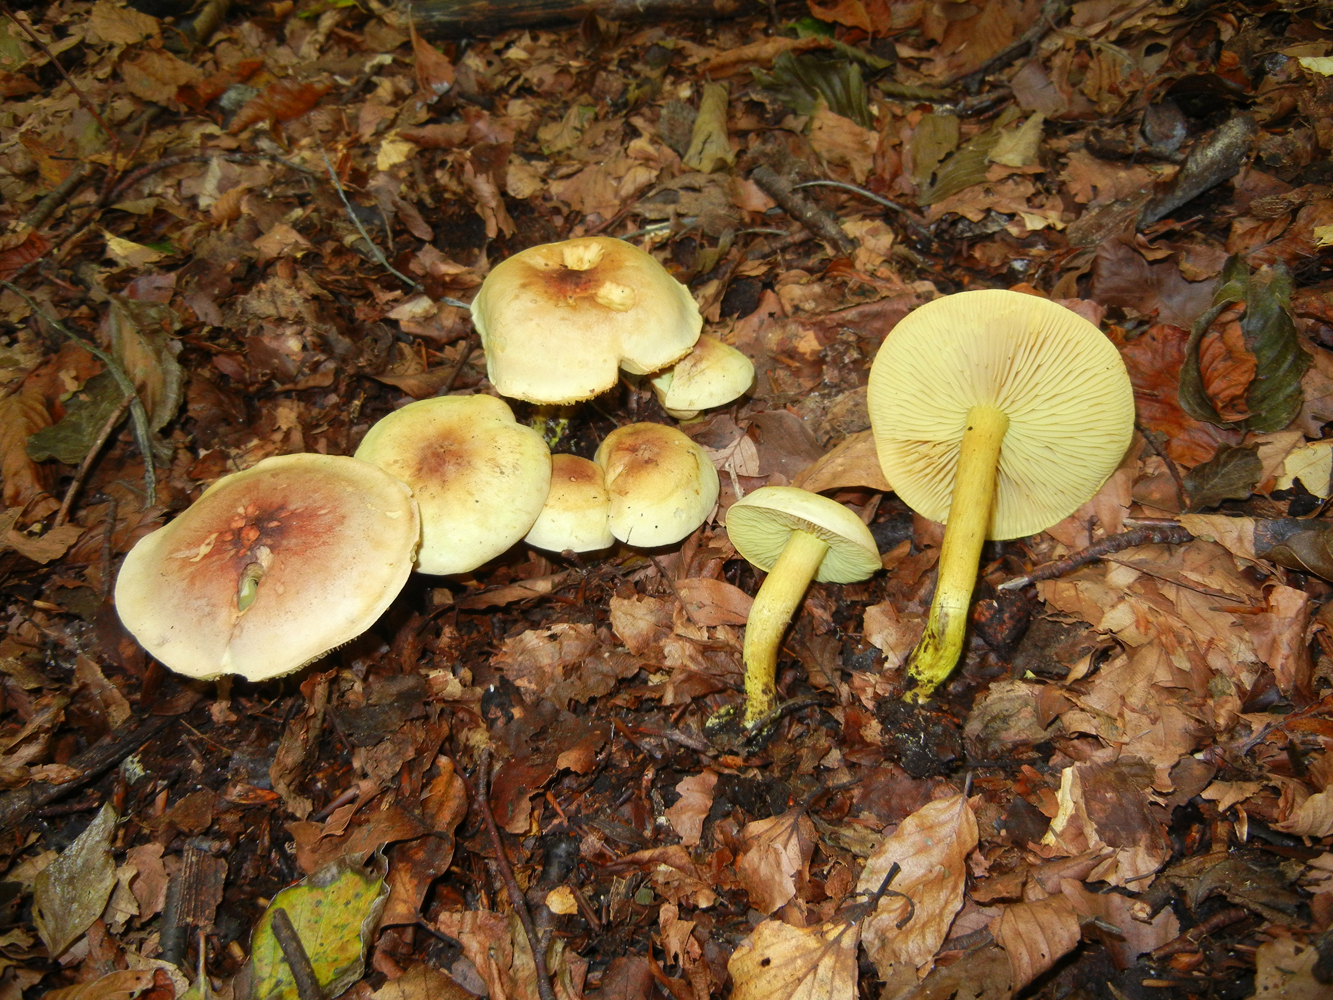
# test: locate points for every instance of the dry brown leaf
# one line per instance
(421, 982)
(1284, 970)
(20, 415)
(1131, 937)
(691, 809)
(931, 848)
(776, 858)
(854, 462)
(779, 962)
(640, 622)
(1312, 818)
(1035, 935)
(1107, 805)
(565, 662)
(123, 985)
(714, 602)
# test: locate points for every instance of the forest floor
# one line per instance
(269, 224)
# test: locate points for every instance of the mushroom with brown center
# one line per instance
(271, 567)
(558, 321)
(796, 536)
(662, 484)
(998, 413)
(577, 514)
(480, 476)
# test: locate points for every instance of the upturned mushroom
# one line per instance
(662, 484)
(577, 514)
(558, 321)
(796, 536)
(712, 374)
(480, 476)
(271, 567)
(998, 413)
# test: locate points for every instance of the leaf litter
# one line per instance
(267, 223)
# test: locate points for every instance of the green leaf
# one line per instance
(1274, 398)
(1230, 474)
(71, 892)
(800, 81)
(335, 912)
(86, 413)
(1296, 544)
(969, 165)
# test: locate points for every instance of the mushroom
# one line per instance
(480, 476)
(662, 484)
(998, 413)
(558, 321)
(712, 374)
(576, 516)
(795, 536)
(271, 567)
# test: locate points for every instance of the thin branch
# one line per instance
(307, 983)
(516, 899)
(1147, 535)
(142, 433)
(800, 208)
(94, 450)
(917, 223)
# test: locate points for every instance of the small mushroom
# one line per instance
(576, 515)
(271, 567)
(998, 413)
(480, 476)
(558, 321)
(796, 536)
(662, 484)
(712, 374)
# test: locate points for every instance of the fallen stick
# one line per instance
(457, 18)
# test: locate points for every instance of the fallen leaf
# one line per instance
(776, 961)
(776, 856)
(70, 892)
(1036, 935)
(691, 809)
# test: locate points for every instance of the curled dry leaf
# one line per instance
(691, 809)
(931, 847)
(1035, 935)
(1312, 818)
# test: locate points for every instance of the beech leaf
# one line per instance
(71, 892)
(1230, 474)
(1273, 398)
(779, 962)
(1035, 935)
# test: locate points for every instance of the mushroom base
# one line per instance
(969, 517)
(772, 611)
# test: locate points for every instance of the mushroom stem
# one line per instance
(969, 521)
(772, 610)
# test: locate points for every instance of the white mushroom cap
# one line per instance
(662, 484)
(558, 320)
(760, 523)
(577, 511)
(480, 476)
(271, 567)
(712, 374)
(1059, 380)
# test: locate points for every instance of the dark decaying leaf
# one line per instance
(71, 892)
(85, 414)
(1231, 474)
(970, 164)
(1297, 544)
(800, 82)
(1274, 398)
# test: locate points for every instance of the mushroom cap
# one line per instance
(479, 476)
(662, 484)
(712, 374)
(577, 512)
(334, 538)
(760, 523)
(558, 320)
(1061, 382)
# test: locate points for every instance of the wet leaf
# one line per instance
(1251, 316)
(1296, 543)
(71, 892)
(334, 912)
(86, 413)
(1231, 474)
(800, 81)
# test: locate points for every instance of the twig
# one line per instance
(1151, 440)
(516, 899)
(108, 533)
(469, 345)
(307, 983)
(142, 434)
(1147, 535)
(54, 198)
(92, 763)
(93, 451)
(802, 209)
(917, 223)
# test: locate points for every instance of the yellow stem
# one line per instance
(969, 518)
(770, 614)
